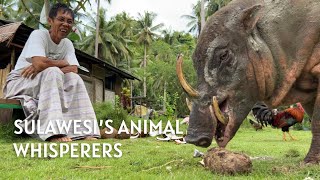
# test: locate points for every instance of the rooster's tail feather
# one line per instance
(262, 113)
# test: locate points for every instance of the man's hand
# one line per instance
(29, 72)
(63, 63)
(70, 68)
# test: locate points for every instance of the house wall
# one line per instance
(98, 76)
(8, 58)
(110, 96)
(3, 77)
(99, 90)
(95, 83)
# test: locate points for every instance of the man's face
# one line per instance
(61, 25)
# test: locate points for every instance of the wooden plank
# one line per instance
(10, 106)
(10, 101)
(16, 45)
(2, 81)
(13, 56)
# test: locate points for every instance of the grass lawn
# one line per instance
(147, 158)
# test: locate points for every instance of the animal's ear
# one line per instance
(250, 17)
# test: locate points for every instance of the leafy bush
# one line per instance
(298, 126)
(171, 105)
(106, 110)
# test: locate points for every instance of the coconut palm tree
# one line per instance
(96, 52)
(125, 25)
(194, 23)
(29, 10)
(112, 45)
(211, 7)
(145, 37)
(7, 9)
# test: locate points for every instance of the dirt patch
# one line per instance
(223, 161)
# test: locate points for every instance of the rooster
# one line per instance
(283, 119)
(255, 125)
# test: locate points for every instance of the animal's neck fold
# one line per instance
(263, 66)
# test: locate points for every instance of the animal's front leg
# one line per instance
(313, 156)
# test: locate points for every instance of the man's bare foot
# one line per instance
(60, 139)
(90, 138)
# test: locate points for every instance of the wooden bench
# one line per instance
(10, 104)
(10, 109)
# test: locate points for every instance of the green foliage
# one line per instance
(298, 126)
(7, 9)
(113, 41)
(161, 71)
(146, 28)
(126, 91)
(73, 37)
(171, 105)
(107, 110)
(162, 51)
(210, 8)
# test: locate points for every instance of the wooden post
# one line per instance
(13, 58)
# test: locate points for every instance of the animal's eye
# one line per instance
(224, 56)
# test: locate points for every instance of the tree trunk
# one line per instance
(202, 15)
(97, 32)
(46, 7)
(164, 97)
(144, 71)
(131, 86)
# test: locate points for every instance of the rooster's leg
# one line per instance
(292, 138)
(284, 136)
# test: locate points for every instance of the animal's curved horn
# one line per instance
(185, 85)
(217, 110)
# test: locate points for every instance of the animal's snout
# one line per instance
(201, 141)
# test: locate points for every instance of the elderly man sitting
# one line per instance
(45, 79)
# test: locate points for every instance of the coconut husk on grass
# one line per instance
(223, 161)
(104, 135)
(123, 135)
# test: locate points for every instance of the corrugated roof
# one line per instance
(8, 30)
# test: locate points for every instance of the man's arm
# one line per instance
(42, 63)
(70, 68)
